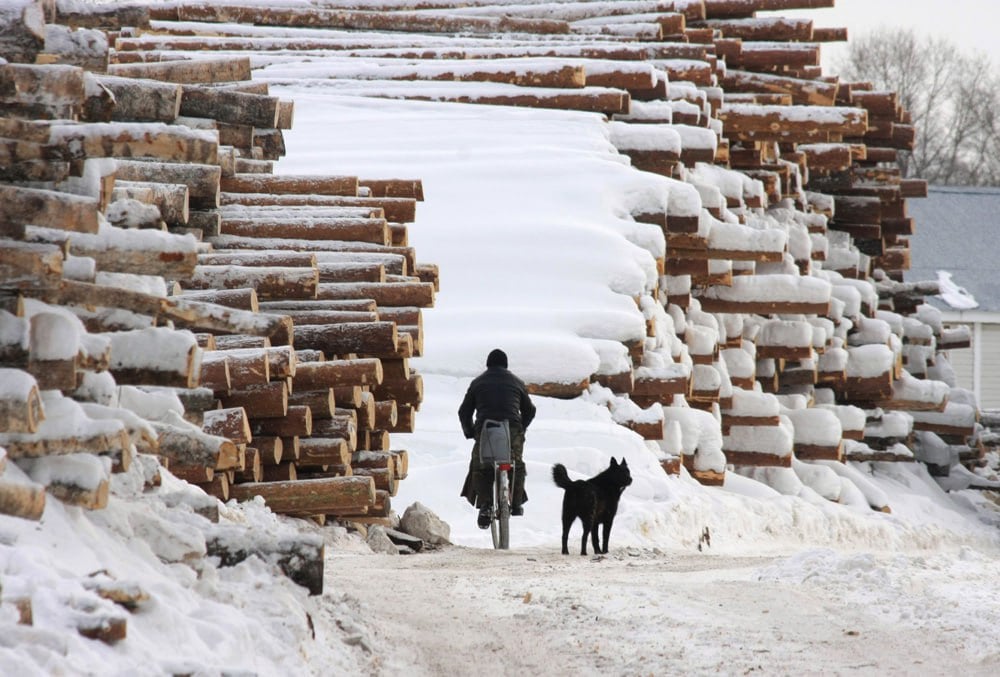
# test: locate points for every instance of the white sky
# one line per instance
(954, 20)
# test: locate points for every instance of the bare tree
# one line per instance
(951, 97)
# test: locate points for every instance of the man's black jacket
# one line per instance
(496, 394)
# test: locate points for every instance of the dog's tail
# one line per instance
(560, 476)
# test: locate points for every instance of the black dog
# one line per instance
(594, 501)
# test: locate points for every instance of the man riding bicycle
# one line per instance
(499, 395)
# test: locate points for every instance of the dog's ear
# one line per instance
(624, 464)
(614, 463)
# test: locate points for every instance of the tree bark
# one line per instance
(365, 338)
(268, 400)
(297, 422)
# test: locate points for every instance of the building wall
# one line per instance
(986, 350)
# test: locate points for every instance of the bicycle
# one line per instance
(494, 447)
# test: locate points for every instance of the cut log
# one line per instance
(291, 184)
(274, 282)
(248, 367)
(297, 422)
(20, 402)
(46, 208)
(168, 143)
(142, 100)
(23, 31)
(202, 181)
(229, 106)
(370, 230)
(394, 209)
(419, 294)
(280, 259)
(367, 338)
(267, 400)
(322, 451)
(26, 265)
(231, 423)
(189, 446)
(187, 72)
(22, 499)
(171, 199)
(321, 403)
(311, 497)
(366, 20)
(342, 426)
(270, 449)
(338, 374)
(410, 391)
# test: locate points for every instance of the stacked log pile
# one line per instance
(782, 305)
(782, 300)
(165, 299)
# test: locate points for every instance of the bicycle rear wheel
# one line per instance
(501, 517)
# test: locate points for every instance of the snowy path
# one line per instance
(461, 611)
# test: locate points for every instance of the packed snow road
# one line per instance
(462, 611)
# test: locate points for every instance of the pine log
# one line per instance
(291, 184)
(306, 497)
(321, 403)
(272, 282)
(189, 446)
(297, 422)
(289, 225)
(215, 374)
(366, 20)
(270, 449)
(218, 486)
(383, 477)
(24, 265)
(240, 299)
(268, 400)
(271, 143)
(367, 338)
(22, 31)
(142, 100)
(241, 341)
(405, 422)
(115, 250)
(349, 397)
(247, 367)
(229, 106)
(52, 92)
(171, 143)
(20, 402)
(281, 259)
(802, 92)
(325, 251)
(187, 72)
(171, 199)
(182, 311)
(410, 391)
(202, 180)
(195, 474)
(338, 373)
(394, 209)
(22, 499)
(386, 415)
(282, 361)
(304, 317)
(342, 426)
(231, 423)
(420, 294)
(253, 470)
(88, 498)
(281, 472)
(796, 123)
(46, 208)
(322, 451)
(346, 305)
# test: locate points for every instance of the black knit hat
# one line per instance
(497, 358)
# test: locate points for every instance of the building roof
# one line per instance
(956, 232)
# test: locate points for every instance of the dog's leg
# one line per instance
(607, 534)
(594, 533)
(588, 528)
(567, 522)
